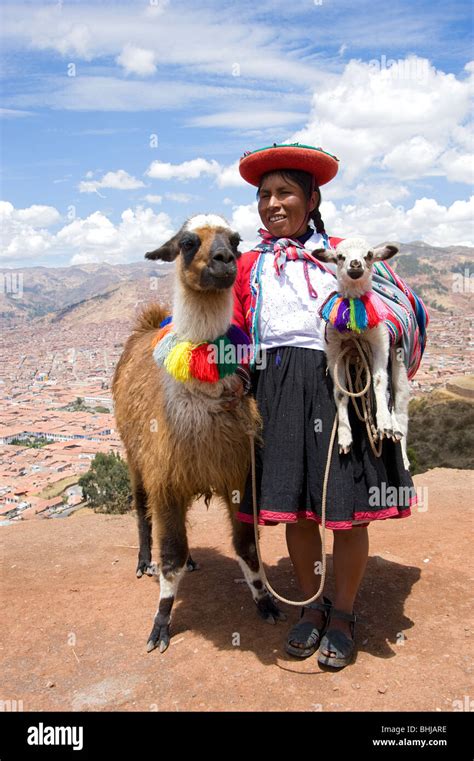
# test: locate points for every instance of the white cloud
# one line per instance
(97, 239)
(458, 167)
(426, 220)
(403, 119)
(38, 216)
(246, 221)
(119, 180)
(25, 241)
(373, 191)
(380, 220)
(229, 176)
(23, 232)
(208, 40)
(413, 158)
(53, 28)
(242, 118)
(109, 93)
(156, 7)
(12, 113)
(137, 60)
(152, 198)
(196, 168)
(188, 170)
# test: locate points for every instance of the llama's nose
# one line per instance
(223, 256)
(355, 264)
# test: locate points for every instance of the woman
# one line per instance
(277, 295)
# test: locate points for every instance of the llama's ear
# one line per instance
(325, 254)
(383, 252)
(168, 251)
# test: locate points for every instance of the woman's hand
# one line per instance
(237, 391)
(240, 384)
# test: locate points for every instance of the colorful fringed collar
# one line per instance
(207, 361)
(354, 315)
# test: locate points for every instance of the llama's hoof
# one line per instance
(159, 637)
(151, 569)
(269, 610)
(191, 564)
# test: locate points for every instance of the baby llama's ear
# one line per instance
(384, 252)
(168, 251)
(325, 254)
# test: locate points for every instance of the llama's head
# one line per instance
(208, 251)
(354, 259)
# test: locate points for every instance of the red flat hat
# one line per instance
(322, 165)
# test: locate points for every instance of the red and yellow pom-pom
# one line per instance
(201, 367)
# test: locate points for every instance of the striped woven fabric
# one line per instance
(289, 248)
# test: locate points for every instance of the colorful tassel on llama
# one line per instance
(207, 361)
(349, 315)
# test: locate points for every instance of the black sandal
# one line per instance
(306, 632)
(336, 641)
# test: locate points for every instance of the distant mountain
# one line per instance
(102, 292)
(55, 292)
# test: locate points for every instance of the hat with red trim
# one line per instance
(320, 164)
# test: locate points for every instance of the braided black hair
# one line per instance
(305, 181)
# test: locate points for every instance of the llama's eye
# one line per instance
(235, 240)
(340, 258)
(369, 255)
(189, 242)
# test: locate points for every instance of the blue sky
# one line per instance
(122, 119)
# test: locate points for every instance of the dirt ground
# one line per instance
(77, 618)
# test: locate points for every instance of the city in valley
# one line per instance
(57, 368)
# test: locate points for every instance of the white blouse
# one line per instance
(288, 315)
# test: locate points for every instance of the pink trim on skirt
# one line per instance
(269, 518)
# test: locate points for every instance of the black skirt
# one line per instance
(295, 396)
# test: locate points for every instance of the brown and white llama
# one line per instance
(181, 440)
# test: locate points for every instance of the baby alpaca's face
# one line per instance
(354, 259)
(282, 206)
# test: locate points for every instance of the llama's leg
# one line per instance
(401, 392)
(244, 545)
(173, 557)
(144, 530)
(145, 564)
(380, 351)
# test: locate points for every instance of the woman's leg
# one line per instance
(304, 546)
(350, 554)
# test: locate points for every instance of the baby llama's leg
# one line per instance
(344, 432)
(380, 343)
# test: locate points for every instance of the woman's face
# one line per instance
(282, 206)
